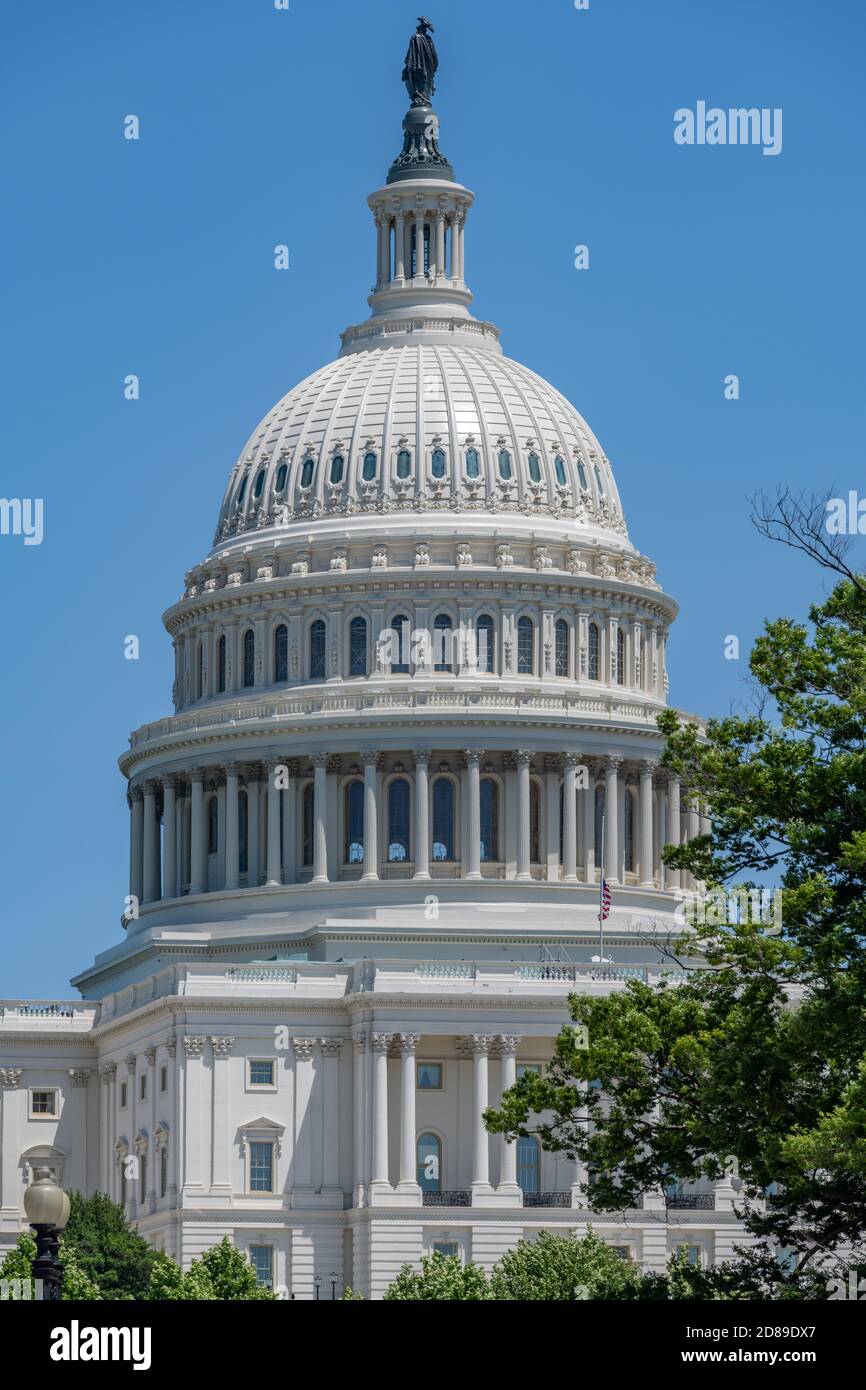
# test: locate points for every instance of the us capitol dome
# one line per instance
(417, 683)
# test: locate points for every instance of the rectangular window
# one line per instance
(142, 1086)
(446, 1248)
(261, 1073)
(142, 1168)
(261, 1166)
(123, 1093)
(163, 1078)
(43, 1103)
(163, 1170)
(692, 1254)
(623, 1252)
(262, 1261)
(534, 1068)
(429, 1076)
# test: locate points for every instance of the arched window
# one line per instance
(358, 647)
(629, 830)
(443, 639)
(404, 464)
(528, 1164)
(504, 464)
(561, 634)
(484, 643)
(243, 822)
(581, 473)
(473, 466)
(282, 474)
(593, 652)
(599, 813)
(400, 628)
(534, 468)
(199, 671)
(429, 1166)
(489, 820)
(368, 471)
(212, 826)
(437, 466)
(249, 658)
(534, 819)
(260, 482)
(598, 480)
(242, 491)
(337, 468)
(307, 472)
(561, 475)
(281, 653)
(307, 824)
(398, 821)
(317, 650)
(443, 819)
(620, 657)
(354, 816)
(221, 664)
(524, 646)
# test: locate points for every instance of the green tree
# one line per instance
(564, 1268)
(754, 1065)
(221, 1273)
(106, 1248)
(441, 1277)
(18, 1264)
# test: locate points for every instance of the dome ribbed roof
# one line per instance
(420, 427)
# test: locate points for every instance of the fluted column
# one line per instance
(408, 1043)
(331, 1049)
(197, 847)
(251, 781)
(320, 813)
(359, 1112)
(552, 787)
(232, 826)
(479, 1046)
(221, 1179)
(440, 243)
(673, 833)
(273, 854)
(136, 843)
(379, 1175)
(399, 246)
(473, 837)
(151, 844)
(370, 759)
(569, 818)
(524, 758)
(419, 243)
(587, 806)
(422, 817)
(611, 818)
(459, 232)
(508, 1045)
(169, 837)
(645, 816)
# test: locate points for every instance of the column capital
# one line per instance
(508, 1044)
(171, 781)
(231, 768)
(197, 774)
(422, 755)
(303, 1048)
(612, 762)
(572, 760)
(79, 1076)
(473, 756)
(193, 1047)
(150, 1056)
(130, 1063)
(331, 1047)
(10, 1077)
(359, 1041)
(524, 756)
(647, 767)
(171, 1046)
(320, 760)
(107, 1072)
(135, 793)
(407, 1043)
(370, 757)
(480, 1044)
(151, 786)
(380, 1042)
(222, 1047)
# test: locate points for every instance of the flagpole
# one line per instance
(601, 898)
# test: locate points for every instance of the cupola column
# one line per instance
(370, 759)
(524, 758)
(196, 853)
(422, 818)
(399, 246)
(419, 242)
(151, 844)
(320, 817)
(136, 843)
(232, 826)
(273, 813)
(569, 818)
(611, 818)
(473, 824)
(169, 839)
(646, 824)
(440, 243)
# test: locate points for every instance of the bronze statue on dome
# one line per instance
(419, 69)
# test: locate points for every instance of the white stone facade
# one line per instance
(420, 661)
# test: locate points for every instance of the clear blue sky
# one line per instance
(259, 127)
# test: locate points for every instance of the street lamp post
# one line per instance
(317, 1281)
(333, 1286)
(47, 1208)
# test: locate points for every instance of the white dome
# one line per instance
(422, 427)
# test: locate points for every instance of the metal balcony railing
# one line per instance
(691, 1201)
(462, 1198)
(547, 1199)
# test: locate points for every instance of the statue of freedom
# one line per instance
(420, 66)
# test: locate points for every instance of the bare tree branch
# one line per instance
(799, 520)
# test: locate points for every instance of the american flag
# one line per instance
(605, 900)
